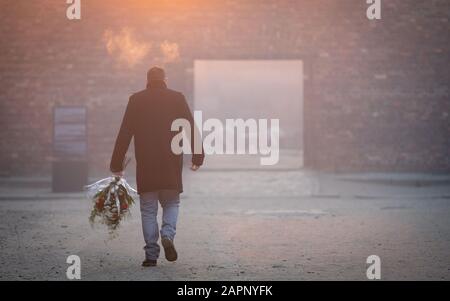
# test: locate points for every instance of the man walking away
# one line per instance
(148, 118)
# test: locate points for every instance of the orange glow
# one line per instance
(170, 52)
(125, 48)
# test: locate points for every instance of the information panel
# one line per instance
(70, 133)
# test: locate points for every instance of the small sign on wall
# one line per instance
(69, 170)
(70, 132)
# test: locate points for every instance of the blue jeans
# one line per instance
(149, 213)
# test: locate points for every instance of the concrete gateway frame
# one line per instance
(249, 90)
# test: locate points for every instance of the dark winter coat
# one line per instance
(148, 118)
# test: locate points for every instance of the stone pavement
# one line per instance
(237, 225)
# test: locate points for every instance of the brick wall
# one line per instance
(376, 93)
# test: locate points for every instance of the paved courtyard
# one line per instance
(236, 225)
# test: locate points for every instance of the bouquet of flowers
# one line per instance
(111, 198)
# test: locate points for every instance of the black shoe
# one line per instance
(169, 249)
(149, 263)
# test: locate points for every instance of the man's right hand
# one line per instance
(194, 167)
